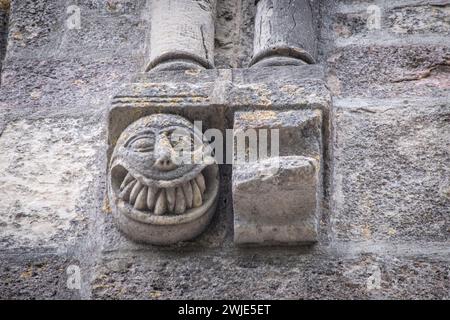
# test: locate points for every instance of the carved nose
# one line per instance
(163, 154)
(164, 164)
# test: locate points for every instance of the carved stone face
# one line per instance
(156, 176)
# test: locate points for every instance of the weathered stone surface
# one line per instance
(281, 41)
(39, 276)
(182, 34)
(299, 130)
(227, 34)
(63, 29)
(34, 25)
(269, 274)
(44, 179)
(4, 22)
(391, 176)
(276, 200)
(390, 71)
(279, 88)
(54, 72)
(244, 47)
(213, 96)
(35, 86)
(102, 29)
(395, 19)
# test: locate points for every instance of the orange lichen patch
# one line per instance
(258, 116)
(366, 232)
(155, 294)
(17, 36)
(256, 93)
(392, 231)
(5, 5)
(78, 82)
(264, 95)
(27, 274)
(106, 206)
(192, 72)
(291, 89)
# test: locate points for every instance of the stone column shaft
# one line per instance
(182, 34)
(284, 33)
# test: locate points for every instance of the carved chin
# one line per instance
(152, 200)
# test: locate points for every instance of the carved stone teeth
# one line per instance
(171, 196)
(201, 183)
(125, 194)
(126, 181)
(180, 201)
(161, 203)
(135, 192)
(188, 194)
(141, 200)
(197, 200)
(152, 197)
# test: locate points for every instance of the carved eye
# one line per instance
(143, 143)
(182, 140)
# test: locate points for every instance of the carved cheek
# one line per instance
(139, 150)
(185, 146)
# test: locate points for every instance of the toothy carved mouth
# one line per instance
(163, 201)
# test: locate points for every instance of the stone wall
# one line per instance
(385, 223)
(4, 19)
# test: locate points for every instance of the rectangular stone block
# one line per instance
(391, 71)
(46, 178)
(76, 28)
(365, 21)
(106, 28)
(276, 200)
(299, 130)
(391, 175)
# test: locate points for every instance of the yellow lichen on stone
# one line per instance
(106, 206)
(366, 232)
(17, 36)
(264, 95)
(258, 116)
(27, 274)
(5, 4)
(155, 294)
(392, 231)
(192, 72)
(292, 89)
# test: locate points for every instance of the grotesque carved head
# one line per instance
(161, 189)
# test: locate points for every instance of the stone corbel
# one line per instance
(156, 197)
(276, 199)
(159, 200)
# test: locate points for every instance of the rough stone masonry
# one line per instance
(359, 206)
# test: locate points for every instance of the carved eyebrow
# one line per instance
(175, 127)
(139, 135)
